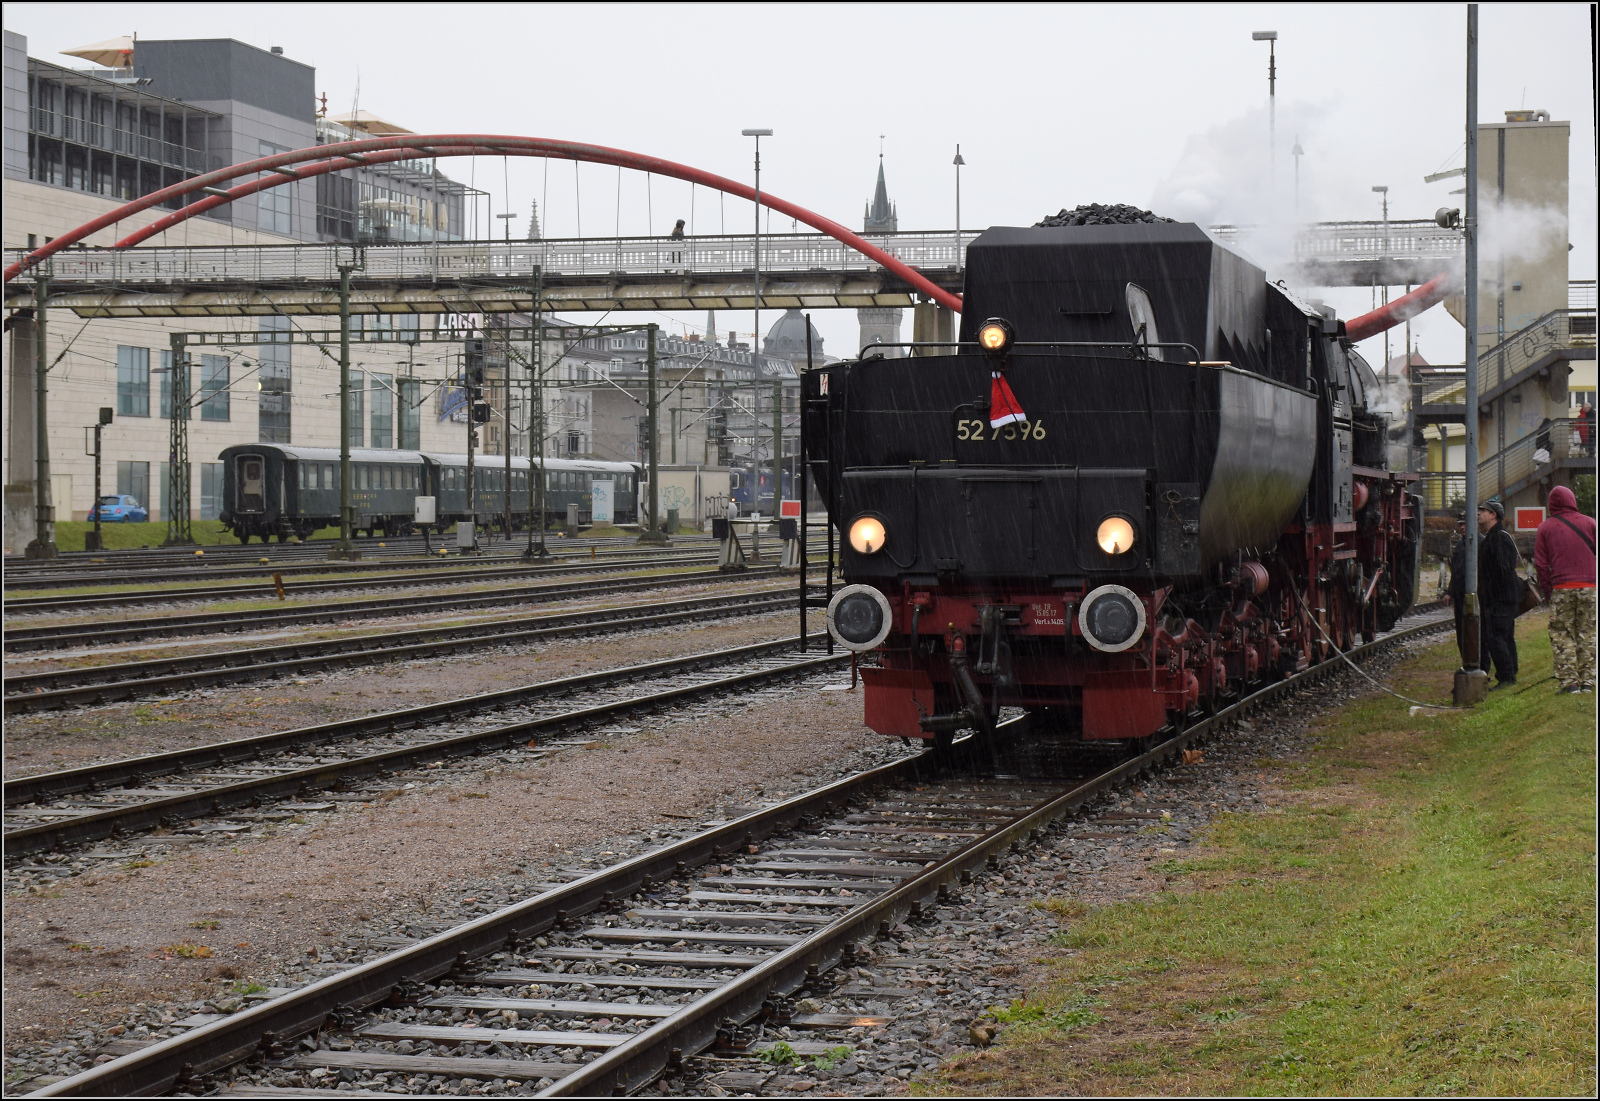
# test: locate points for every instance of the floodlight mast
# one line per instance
(755, 344)
(1271, 38)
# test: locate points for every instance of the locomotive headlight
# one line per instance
(1112, 619)
(994, 336)
(867, 535)
(859, 617)
(1115, 535)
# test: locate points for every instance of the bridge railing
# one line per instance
(1347, 242)
(1554, 331)
(781, 254)
(1568, 441)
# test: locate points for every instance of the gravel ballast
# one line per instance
(95, 958)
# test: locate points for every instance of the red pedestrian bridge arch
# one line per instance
(301, 164)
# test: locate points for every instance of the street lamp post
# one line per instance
(1383, 189)
(1271, 38)
(44, 513)
(505, 412)
(958, 162)
(343, 548)
(1471, 681)
(755, 337)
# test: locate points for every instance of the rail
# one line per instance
(1353, 242)
(514, 261)
(114, 139)
(1555, 331)
(631, 1064)
(189, 791)
(1573, 327)
(781, 253)
(1442, 489)
(1554, 445)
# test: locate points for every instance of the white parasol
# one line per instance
(113, 53)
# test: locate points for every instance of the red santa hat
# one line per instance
(1004, 408)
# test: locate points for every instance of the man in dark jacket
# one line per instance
(1564, 556)
(1499, 593)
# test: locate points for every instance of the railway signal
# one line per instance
(91, 541)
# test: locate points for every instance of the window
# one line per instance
(1142, 315)
(382, 410)
(275, 203)
(133, 382)
(211, 490)
(410, 414)
(213, 388)
(336, 207)
(574, 443)
(358, 385)
(133, 480)
(275, 377)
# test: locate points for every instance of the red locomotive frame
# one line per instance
(1317, 593)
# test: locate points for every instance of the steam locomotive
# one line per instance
(1145, 480)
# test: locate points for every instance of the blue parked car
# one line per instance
(119, 509)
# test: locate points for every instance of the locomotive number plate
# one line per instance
(978, 431)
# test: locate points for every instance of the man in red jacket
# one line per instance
(1564, 555)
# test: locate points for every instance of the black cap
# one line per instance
(1496, 507)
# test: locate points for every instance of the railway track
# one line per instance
(291, 560)
(247, 566)
(81, 634)
(624, 974)
(219, 589)
(92, 685)
(398, 546)
(311, 549)
(86, 804)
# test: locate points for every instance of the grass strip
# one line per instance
(1418, 920)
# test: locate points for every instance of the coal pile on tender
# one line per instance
(1096, 214)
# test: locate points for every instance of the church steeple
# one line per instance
(880, 216)
(880, 324)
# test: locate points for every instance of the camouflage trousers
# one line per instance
(1572, 635)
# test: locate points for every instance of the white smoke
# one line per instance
(1231, 175)
(1517, 231)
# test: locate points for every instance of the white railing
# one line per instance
(602, 257)
(1352, 242)
(781, 254)
(99, 135)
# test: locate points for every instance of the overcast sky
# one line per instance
(1162, 107)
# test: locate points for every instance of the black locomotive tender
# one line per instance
(269, 489)
(1193, 498)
